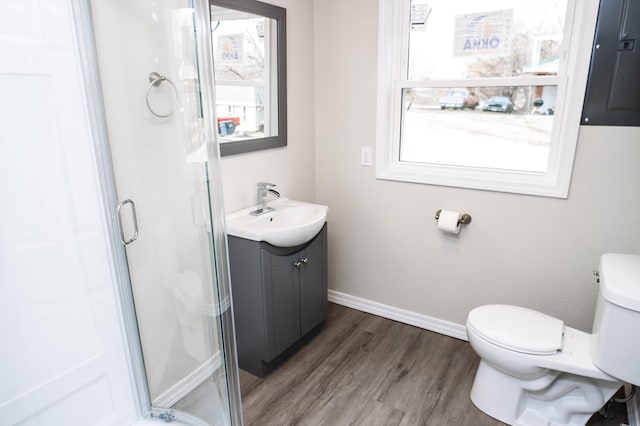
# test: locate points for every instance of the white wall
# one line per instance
(383, 241)
(291, 168)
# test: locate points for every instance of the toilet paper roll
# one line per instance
(449, 221)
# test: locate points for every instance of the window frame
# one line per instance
(393, 38)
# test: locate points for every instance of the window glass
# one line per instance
(488, 38)
(504, 126)
(490, 127)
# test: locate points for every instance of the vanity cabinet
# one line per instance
(279, 298)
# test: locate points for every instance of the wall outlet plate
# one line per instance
(366, 154)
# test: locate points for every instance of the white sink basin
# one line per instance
(291, 223)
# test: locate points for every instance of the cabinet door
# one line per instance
(313, 283)
(282, 309)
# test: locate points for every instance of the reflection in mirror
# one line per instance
(249, 62)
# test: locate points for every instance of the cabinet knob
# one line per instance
(300, 262)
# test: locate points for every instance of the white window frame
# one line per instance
(571, 80)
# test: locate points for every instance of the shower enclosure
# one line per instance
(153, 101)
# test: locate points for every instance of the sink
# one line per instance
(291, 223)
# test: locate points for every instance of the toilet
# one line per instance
(535, 370)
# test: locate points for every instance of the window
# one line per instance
(483, 94)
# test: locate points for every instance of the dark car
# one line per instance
(498, 104)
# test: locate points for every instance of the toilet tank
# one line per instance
(615, 342)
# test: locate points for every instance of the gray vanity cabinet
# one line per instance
(279, 298)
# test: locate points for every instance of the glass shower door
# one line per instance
(154, 60)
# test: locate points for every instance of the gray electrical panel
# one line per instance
(613, 89)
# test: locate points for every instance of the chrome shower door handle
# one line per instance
(123, 240)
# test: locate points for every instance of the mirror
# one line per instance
(249, 56)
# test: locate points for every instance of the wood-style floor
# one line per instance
(367, 370)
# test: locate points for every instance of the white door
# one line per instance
(62, 354)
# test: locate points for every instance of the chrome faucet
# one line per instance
(264, 188)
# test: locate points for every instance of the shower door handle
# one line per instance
(123, 240)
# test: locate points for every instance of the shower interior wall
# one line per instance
(64, 359)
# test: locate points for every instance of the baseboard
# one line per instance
(181, 389)
(407, 317)
(633, 410)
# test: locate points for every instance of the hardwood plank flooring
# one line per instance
(366, 370)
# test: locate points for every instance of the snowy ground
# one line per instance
(477, 138)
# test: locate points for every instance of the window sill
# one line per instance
(516, 182)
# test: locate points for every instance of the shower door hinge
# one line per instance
(167, 416)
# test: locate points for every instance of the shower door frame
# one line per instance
(97, 116)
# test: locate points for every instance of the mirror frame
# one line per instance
(279, 15)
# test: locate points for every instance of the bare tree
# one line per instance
(503, 66)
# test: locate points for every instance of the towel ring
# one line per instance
(155, 80)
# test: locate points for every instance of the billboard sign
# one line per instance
(484, 33)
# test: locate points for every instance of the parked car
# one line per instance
(227, 125)
(459, 99)
(498, 104)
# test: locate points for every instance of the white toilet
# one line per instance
(534, 370)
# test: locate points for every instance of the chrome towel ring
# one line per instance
(155, 80)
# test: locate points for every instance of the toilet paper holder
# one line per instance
(464, 219)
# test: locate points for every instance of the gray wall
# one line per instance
(383, 242)
(384, 245)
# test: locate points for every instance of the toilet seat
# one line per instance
(518, 329)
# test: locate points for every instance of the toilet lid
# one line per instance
(518, 329)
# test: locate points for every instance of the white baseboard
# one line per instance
(407, 317)
(181, 389)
